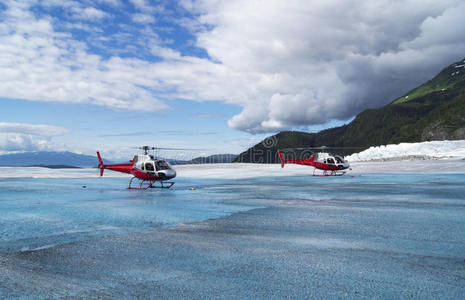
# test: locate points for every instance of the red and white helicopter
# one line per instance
(331, 165)
(145, 168)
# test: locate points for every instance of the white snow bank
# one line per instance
(425, 150)
(409, 166)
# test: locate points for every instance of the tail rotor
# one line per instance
(283, 161)
(100, 164)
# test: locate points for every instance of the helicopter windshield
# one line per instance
(162, 165)
(339, 159)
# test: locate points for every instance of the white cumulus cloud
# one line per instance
(143, 18)
(39, 63)
(28, 137)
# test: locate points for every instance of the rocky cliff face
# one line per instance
(440, 132)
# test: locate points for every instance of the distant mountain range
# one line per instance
(49, 159)
(434, 111)
(67, 159)
(212, 159)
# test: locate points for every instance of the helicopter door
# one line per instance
(330, 161)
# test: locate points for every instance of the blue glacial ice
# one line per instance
(381, 235)
(42, 212)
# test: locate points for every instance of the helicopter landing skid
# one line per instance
(328, 173)
(148, 184)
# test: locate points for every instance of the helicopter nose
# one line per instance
(343, 166)
(167, 174)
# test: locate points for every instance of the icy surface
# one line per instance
(427, 150)
(386, 230)
(37, 213)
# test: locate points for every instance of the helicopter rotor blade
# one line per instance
(146, 148)
(161, 148)
(322, 148)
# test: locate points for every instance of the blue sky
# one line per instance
(88, 128)
(212, 74)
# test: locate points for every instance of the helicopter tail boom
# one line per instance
(306, 161)
(124, 168)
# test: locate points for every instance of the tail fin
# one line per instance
(100, 163)
(282, 159)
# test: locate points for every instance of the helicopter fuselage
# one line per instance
(143, 167)
(322, 161)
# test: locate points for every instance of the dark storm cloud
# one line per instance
(328, 60)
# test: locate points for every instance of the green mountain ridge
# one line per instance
(434, 111)
(450, 77)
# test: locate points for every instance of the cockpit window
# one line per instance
(338, 159)
(162, 165)
(330, 161)
(149, 166)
